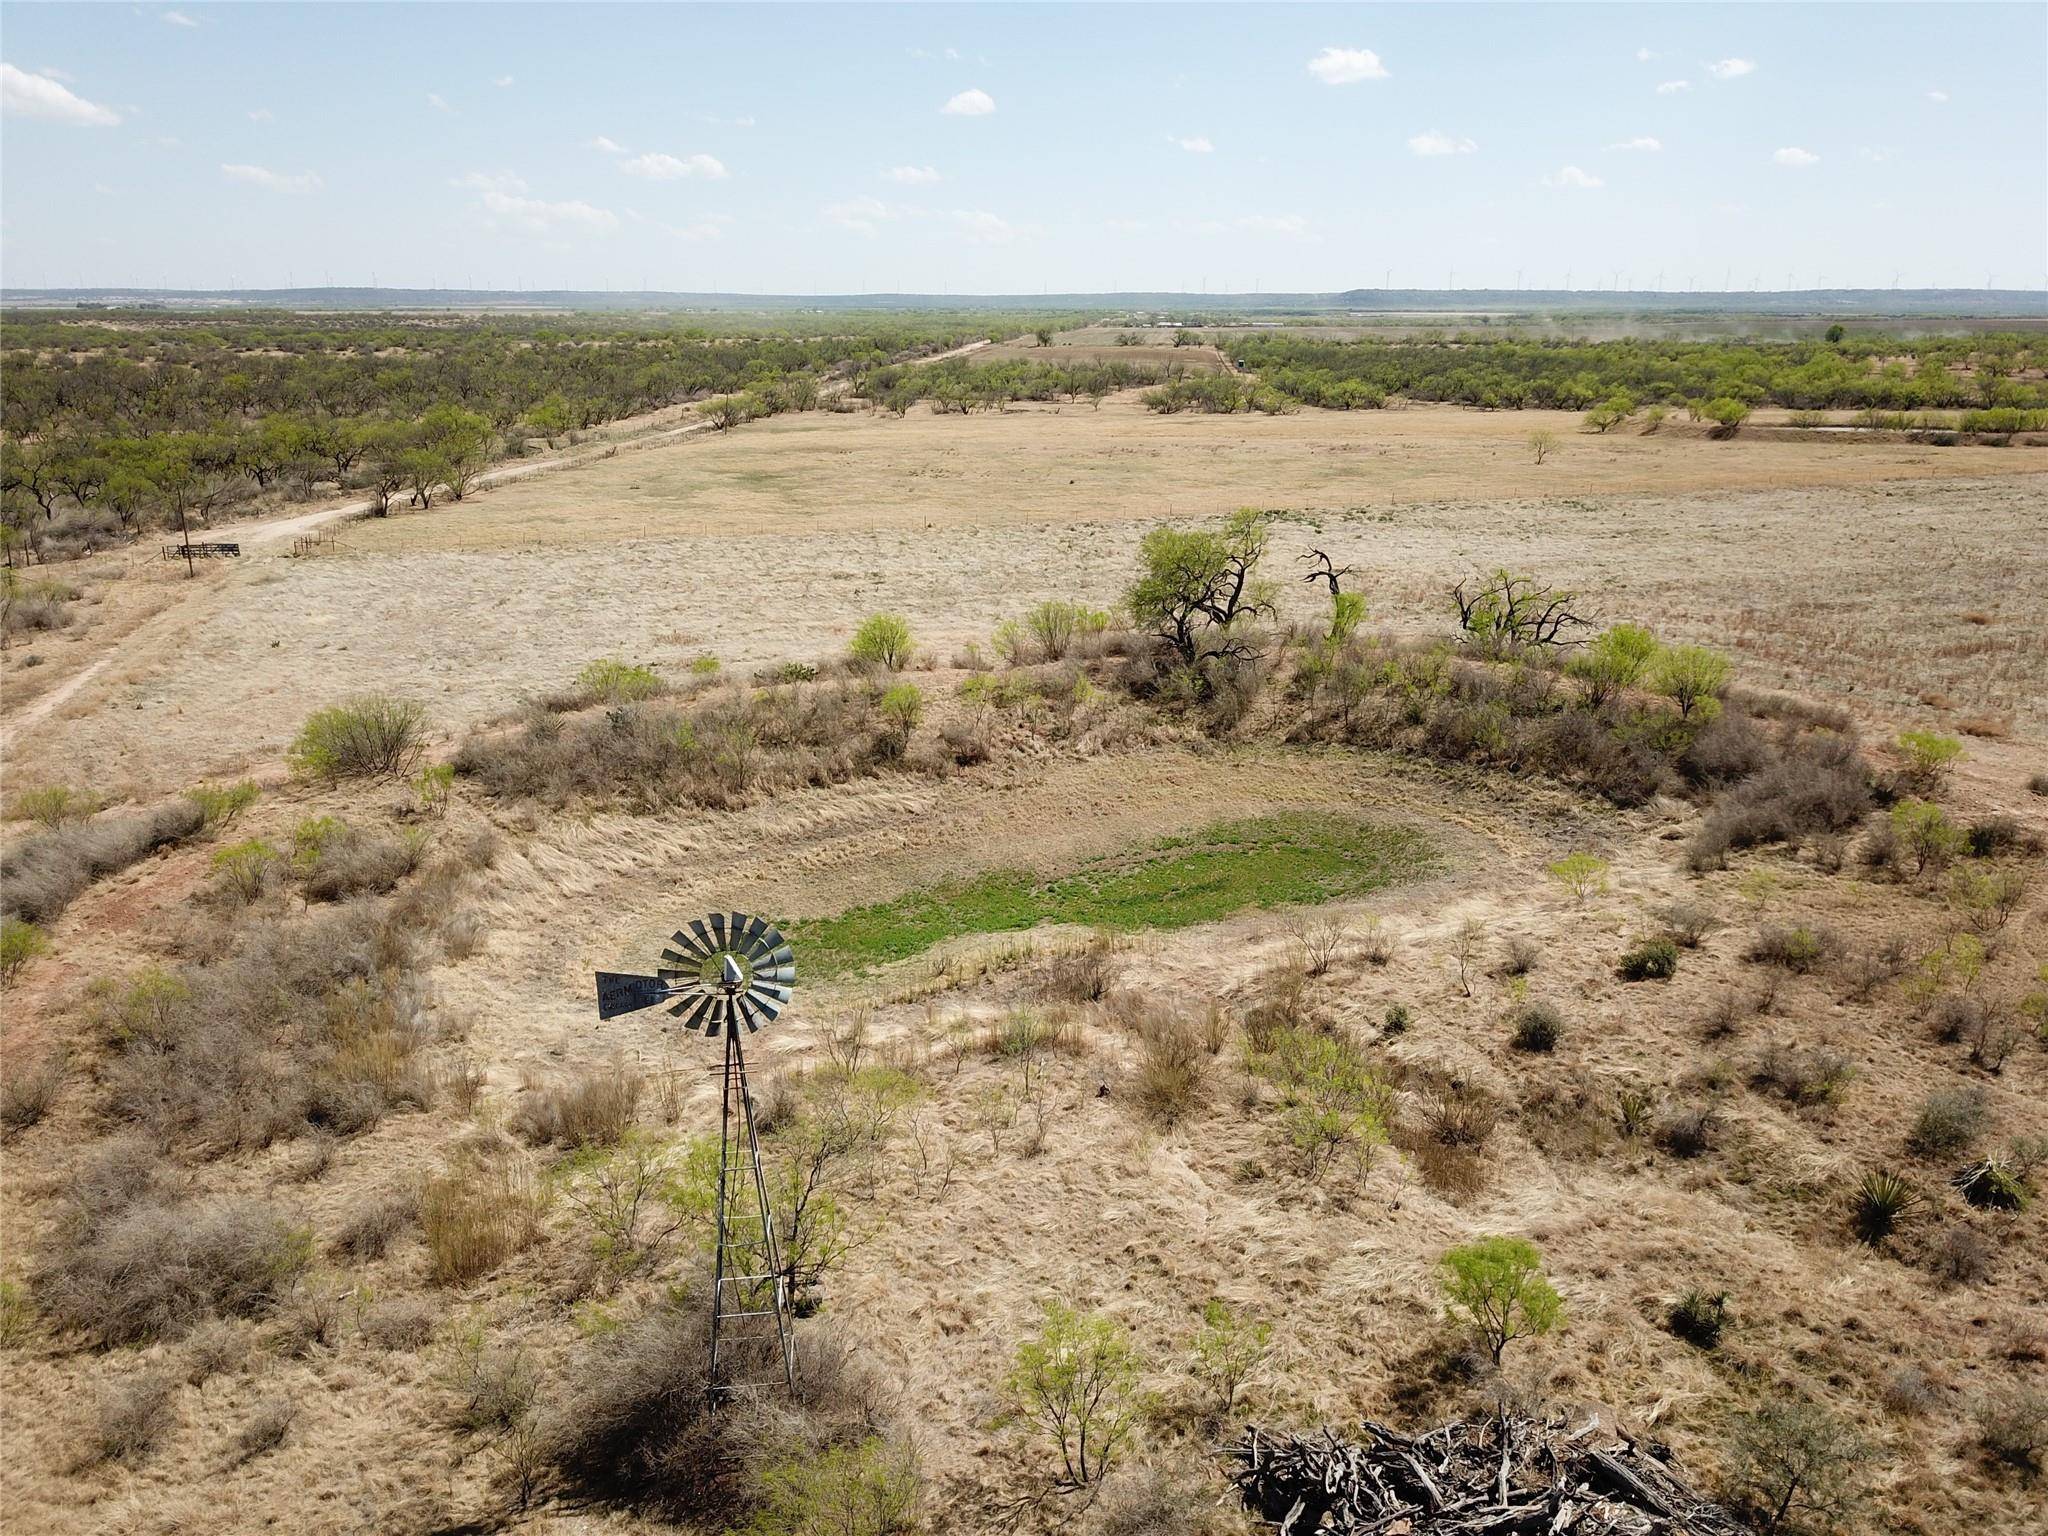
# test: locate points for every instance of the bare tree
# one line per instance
(1505, 612)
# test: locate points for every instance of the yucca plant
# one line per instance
(1699, 1317)
(1632, 1108)
(1882, 1202)
(1993, 1184)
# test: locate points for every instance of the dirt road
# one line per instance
(263, 535)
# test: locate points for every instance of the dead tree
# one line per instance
(1506, 613)
(1500, 1474)
(1325, 569)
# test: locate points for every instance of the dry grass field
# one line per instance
(360, 1388)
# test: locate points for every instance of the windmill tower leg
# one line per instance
(749, 1286)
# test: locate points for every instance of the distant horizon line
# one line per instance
(2028, 300)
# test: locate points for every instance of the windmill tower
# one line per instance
(725, 975)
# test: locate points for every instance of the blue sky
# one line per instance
(1021, 148)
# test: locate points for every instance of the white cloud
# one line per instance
(1273, 224)
(984, 228)
(502, 81)
(502, 197)
(609, 146)
(1435, 143)
(1643, 142)
(1876, 154)
(656, 166)
(1796, 157)
(272, 181)
(859, 214)
(439, 103)
(55, 73)
(1730, 69)
(970, 103)
(178, 19)
(913, 175)
(1643, 55)
(1673, 87)
(491, 181)
(1347, 66)
(1196, 145)
(1572, 178)
(1937, 97)
(25, 95)
(262, 115)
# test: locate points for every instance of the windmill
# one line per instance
(720, 975)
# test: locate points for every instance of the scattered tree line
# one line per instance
(112, 427)
(1991, 371)
(960, 385)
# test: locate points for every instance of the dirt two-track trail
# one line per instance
(269, 534)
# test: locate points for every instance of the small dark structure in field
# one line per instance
(1493, 1475)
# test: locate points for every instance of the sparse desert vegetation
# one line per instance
(1529, 959)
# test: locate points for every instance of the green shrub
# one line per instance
(1228, 1349)
(1495, 1285)
(901, 707)
(883, 640)
(221, 805)
(1928, 756)
(1077, 1379)
(1950, 1121)
(1614, 661)
(1727, 415)
(1053, 625)
(1537, 1027)
(1925, 834)
(1798, 949)
(1797, 1468)
(432, 786)
(367, 737)
(1692, 677)
(612, 681)
(704, 666)
(872, 1488)
(244, 867)
(53, 805)
(1610, 413)
(1649, 960)
(1580, 873)
(20, 943)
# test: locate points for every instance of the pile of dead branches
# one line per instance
(1501, 1475)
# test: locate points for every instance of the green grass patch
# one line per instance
(1295, 858)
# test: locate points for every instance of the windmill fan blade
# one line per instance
(780, 973)
(703, 934)
(687, 943)
(718, 939)
(782, 954)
